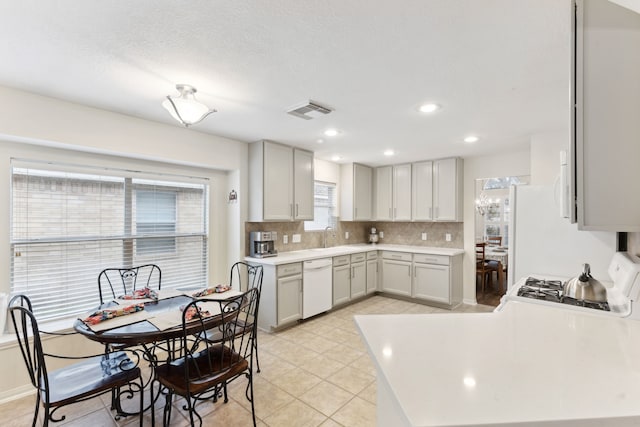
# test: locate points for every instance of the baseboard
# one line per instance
(16, 393)
(470, 301)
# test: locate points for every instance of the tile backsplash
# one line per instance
(397, 233)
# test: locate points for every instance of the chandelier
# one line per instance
(484, 204)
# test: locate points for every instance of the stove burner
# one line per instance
(584, 303)
(551, 290)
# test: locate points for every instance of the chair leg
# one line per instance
(255, 346)
(37, 410)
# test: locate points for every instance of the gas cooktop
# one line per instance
(552, 291)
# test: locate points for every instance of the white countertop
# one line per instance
(307, 254)
(528, 363)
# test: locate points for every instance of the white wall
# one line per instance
(545, 156)
(495, 165)
(40, 128)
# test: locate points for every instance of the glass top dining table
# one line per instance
(160, 320)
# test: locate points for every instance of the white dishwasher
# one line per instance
(316, 286)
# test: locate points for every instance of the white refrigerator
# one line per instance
(542, 242)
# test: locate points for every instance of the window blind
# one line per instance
(324, 207)
(67, 226)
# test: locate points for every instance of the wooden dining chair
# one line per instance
(206, 367)
(494, 240)
(90, 377)
(484, 268)
(118, 281)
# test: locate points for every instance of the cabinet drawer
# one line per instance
(358, 257)
(398, 256)
(431, 259)
(289, 269)
(341, 260)
(372, 255)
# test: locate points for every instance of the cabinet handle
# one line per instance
(437, 212)
(431, 213)
(389, 212)
(355, 212)
(291, 209)
(296, 210)
(353, 272)
(395, 212)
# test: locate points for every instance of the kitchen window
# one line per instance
(68, 223)
(324, 207)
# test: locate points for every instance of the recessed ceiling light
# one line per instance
(389, 152)
(331, 132)
(320, 141)
(429, 108)
(471, 138)
(336, 158)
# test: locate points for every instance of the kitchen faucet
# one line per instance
(327, 228)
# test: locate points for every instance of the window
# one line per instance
(324, 207)
(69, 223)
(155, 215)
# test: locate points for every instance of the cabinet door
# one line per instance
(362, 191)
(431, 282)
(372, 276)
(277, 184)
(396, 277)
(358, 279)
(402, 192)
(303, 185)
(445, 190)
(422, 191)
(341, 284)
(384, 191)
(289, 299)
(606, 147)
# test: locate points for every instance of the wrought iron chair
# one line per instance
(114, 282)
(205, 367)
(251, 276)
(89, 378)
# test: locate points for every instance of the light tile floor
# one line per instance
(317, 373)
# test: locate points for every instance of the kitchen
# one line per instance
(37, 126)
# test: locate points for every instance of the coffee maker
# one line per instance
(262, 244)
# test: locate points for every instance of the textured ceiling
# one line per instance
(499, 68)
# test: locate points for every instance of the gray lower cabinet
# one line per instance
(437, 278)
(358, 279)
(289, 299)
(341, 279)
(396, 273)
(372, 272)
(281, 296)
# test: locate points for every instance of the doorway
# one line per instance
(491, 229)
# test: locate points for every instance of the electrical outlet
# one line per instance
(382, 234)
(295, 238)
(346, 235)
(447, 237)
(424, 236)
(285, 239)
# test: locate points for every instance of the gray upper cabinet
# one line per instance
(393, 193)
(280, 182)
(437, 190)
(356, 202)
(302, 185)
(606, 121)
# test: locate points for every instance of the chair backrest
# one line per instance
(236, 329)
(480, 252)
(246, 274)
(28, 334)
(114, 282)
(494, 240)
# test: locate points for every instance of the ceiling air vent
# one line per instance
(308, 110)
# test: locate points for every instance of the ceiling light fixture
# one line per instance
(429, 108)
(331, 132)
(336, 158)
(320, 141)
(389, 152)
(471, 139)
(185, 108)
